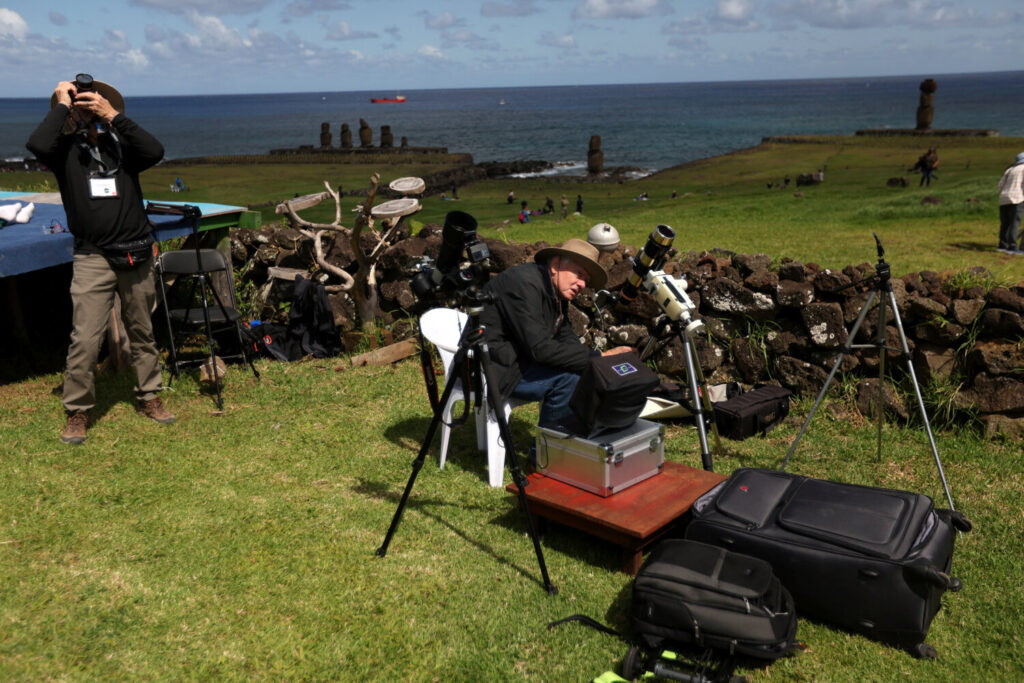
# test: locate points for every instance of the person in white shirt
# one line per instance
(1011, 207)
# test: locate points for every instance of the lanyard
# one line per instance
(83, 143)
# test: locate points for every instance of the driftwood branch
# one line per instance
(365, 291)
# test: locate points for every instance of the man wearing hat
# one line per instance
(96, 154)
(1011, 206)
(535, 354)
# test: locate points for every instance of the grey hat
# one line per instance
(1020, 159)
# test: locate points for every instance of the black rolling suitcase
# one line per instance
(868, 560)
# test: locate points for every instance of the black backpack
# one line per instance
(611, 394)
(695, 594)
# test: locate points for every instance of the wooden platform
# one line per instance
(632, 519)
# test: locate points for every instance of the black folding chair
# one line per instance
(186, 283)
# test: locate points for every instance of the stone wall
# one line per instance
(765, 321)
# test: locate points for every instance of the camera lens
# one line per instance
(83, 82)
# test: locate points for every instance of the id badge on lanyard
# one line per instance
(103, 188)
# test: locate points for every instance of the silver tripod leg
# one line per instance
(698, 413)
(905, 348)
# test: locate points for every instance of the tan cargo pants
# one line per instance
(92, 296)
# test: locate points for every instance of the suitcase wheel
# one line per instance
(632, 664)
(955, 584)
(925, 651)
(960, 522)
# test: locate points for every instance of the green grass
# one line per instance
(242, 546)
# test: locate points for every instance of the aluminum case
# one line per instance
(605, 464)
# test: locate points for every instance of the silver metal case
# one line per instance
(606, 464)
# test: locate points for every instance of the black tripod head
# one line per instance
(882, 269)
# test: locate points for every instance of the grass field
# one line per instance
(241, 546)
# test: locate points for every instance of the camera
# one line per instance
(84, 83)
(457, 237)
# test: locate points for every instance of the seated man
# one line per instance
(535, 354)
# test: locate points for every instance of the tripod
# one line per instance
(882, 290)
(473, 361)
(695, 376)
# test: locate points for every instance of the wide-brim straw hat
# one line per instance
(109, 92)
(581, 252)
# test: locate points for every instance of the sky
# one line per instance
(178, 47)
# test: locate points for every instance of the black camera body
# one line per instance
(457, 237)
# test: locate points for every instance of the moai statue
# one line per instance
(595, 157)
(386, 138)
(365, 134)
(325, 135)
(405, 142)
(925, 110)
(346, 136)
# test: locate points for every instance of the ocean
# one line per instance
(650, 126)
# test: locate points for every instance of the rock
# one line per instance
(762, 280)
(579, 321)
(824, 322)
(827, 359)
(344, 311)
(793, 294)
(933, 362)
(626, 335)
(992, 394)
(1000, 297)
(398, 292)
(750, 360)
(1009, 428)
(828, 280)
(725, 296)
(999, 323)
(940, 332)
(995, 358)
(792, 270)
(930, 200)
(966, 310)
(897, 182)
(783, 342)
(750, 263)
(802, 377)
(867, 400)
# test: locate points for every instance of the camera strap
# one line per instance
(82, 139)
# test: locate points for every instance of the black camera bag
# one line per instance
(611, 394)
(695, 594)
(130, 253)
(754, 412)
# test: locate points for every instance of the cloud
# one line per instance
(620, 9)
(115, 41)
(304, 8)
(564, 42)
(430, 52)
(12, 26)
(442, 21)
(208, 6)
(735, 12)
(464, 37)
(869, 14)
(516, 8)
(340, 30)
(58, 19)
(133, 59)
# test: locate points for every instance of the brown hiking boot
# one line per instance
(154, 409)
(74, 430)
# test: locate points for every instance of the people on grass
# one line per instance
(1011, 207)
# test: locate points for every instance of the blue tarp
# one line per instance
(25, 247)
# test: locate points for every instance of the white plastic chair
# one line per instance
(443, 328)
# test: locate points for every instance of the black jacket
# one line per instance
(96, 223)
(528, 323)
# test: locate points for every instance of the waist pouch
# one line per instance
(130, 253)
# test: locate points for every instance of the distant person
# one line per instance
(1011, 207)
(455, 191)
(524, 213)
(579, 203)
(549, 205)
(926, 164)
(511, 198)
(565, 206)
(97, 154)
